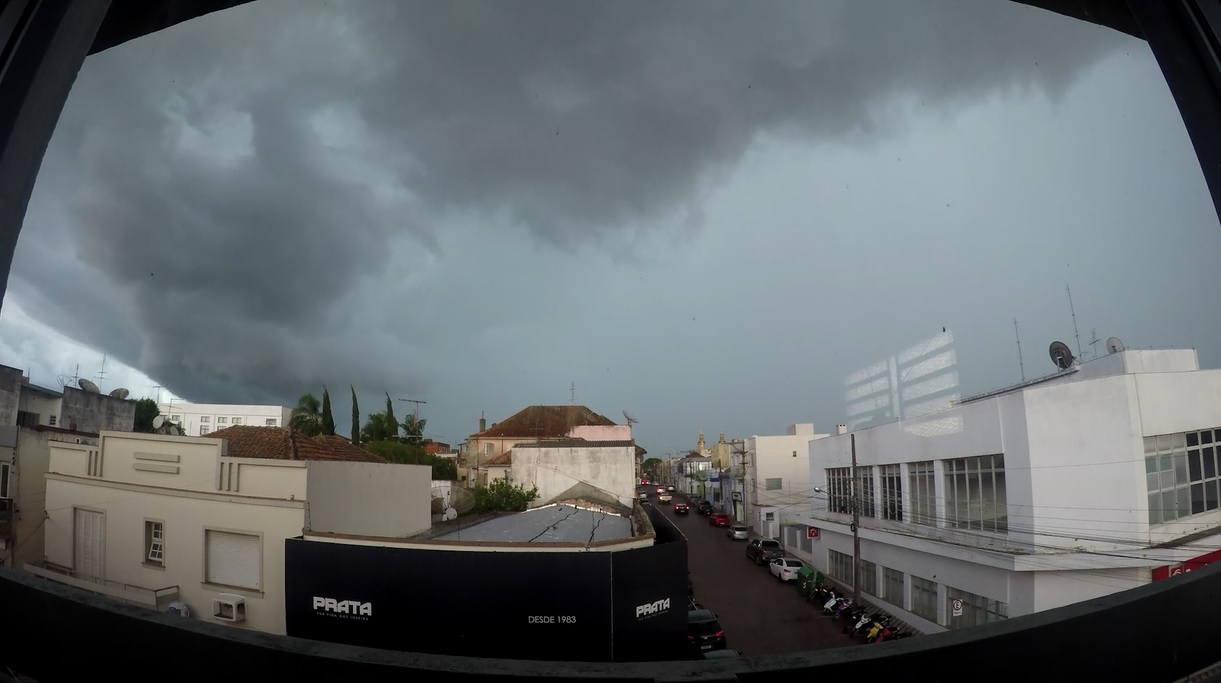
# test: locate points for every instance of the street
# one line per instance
(760, 615)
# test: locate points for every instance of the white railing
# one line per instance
(156, 598)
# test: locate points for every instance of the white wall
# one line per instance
(44, 405)
(602, 432)
(370, 499)
(780, 457)
(190, 415)
(554, 470)
(185, 516)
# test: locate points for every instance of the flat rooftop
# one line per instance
(561, 523)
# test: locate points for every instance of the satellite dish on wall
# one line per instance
(1061, 355)
(88, 385)
(1114, 345)
(120, 393)
(628, 417)
(158, 421)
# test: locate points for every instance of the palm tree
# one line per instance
(307, 416)
(413, 427)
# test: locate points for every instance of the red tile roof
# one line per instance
(286, 443)
(545, 422)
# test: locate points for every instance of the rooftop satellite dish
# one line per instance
(628, 416)
(121, 392)
(174, 430)
(158, 421)
(449, 514)
(1114, 345)
(88, 385)
(1061, 355)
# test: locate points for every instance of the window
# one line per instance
(924, 598)
(222, 420)
(6, 478)
(839, 566)
(922, 482)
(52, 419)
(839, 489)
(807, 544)
(154, 543)
(271, 422)
(772, 484)
(869, 577)
(205, 419)
(976, 609)
(175, 418)
(233, 559)
(204, 429)
(237, 420)
(892, 587)
(1182, 474)
(975, 493)
(864, 489)
(892, 492)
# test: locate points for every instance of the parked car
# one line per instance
(664, 498)
(719, 519)
(703, 507)
(670, 489)
(681, 508)
(661, 490)
(785, 568)
(644, 495)
(738, 532)
(763, 550)
(704, 632)
(721, 654)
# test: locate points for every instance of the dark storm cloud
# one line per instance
(238, 240)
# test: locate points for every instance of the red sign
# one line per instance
(1168, 571)
(811, 532)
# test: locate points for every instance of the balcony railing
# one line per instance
(156, 598)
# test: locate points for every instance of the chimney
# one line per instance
(841, 429)
(483, 423)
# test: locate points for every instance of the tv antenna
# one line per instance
(416, 413)
(1074, 312)
(573, 398)
(69, 380)
(1021, 365)
(1094, 342)
(102, 373)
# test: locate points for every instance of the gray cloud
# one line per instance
(250, 194)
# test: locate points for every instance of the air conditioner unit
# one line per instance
(229, 607)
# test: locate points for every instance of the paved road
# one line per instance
(760, 615)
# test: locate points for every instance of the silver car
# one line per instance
(737, 532)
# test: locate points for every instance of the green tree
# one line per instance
(307, 416)
(408, 454)
(651, 467)
(413, 428)
(328, 420)
(355, 417)
(376, 429)
(502, 496)
(146, 410)
(392, 425)
(444, 469)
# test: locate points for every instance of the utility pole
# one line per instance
(856, 529)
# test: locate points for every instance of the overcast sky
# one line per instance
(705, 213)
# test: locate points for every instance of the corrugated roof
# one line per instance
(545, 422)
(286, 443)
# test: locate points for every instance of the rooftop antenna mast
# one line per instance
(1021, 364)
(1094, 342)
(572, 399)
(1074, 312)
(102, 373)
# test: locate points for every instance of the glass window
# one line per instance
(839, 489)
(975, 493)
(869, 577)
(976, 609)
(864, 483)
(892, 492)
(924, 598)
(892, 587)
(839, 566)
(1181, 474)
(922, 485)
(772, 484)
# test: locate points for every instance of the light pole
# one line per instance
(854, 504)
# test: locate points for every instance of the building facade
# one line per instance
(777, 478)
(1082, 483)
(201, 419)
(487, 454)
(169, 520)
(600, 470)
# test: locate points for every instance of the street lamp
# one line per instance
(854, 504)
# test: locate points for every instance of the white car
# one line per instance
(664, 498)
(785, 568)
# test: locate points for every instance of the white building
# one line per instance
(575, 468)
(155, 520)
(1029, 498)
(200, 419)
(693, 475)
(777, 477)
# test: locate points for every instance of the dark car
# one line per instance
(703, 507)
(719, 519)
(704, 632)
(681, 508)
(764, 550)
(722, 654)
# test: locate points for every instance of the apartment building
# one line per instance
(201, 419)
(777, 478)
(1088, 481)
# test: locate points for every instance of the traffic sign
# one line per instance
(811, 532)
(956, 606)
